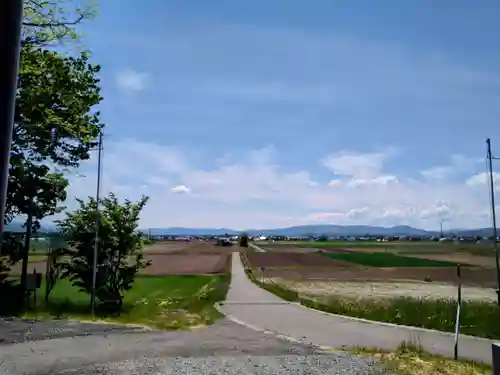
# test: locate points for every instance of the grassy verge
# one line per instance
(410, 360)
(164, 302)
(379, 259)
(477, 318)
(36, 257)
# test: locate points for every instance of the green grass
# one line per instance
(379, 259)
(410, 360)
(477, 318)
(165, 302)
(36, 257)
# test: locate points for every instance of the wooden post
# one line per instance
(457, 320)
(34, 292)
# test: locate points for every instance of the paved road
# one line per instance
(63, 347)
(259, 308)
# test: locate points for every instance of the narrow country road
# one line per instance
(247, 303)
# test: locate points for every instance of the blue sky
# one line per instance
(265, 114)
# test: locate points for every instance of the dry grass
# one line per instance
(409, 360)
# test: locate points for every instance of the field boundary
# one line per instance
(257, 248)
(432, 341)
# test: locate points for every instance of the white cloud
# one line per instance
(457, 164)
(356, 164)
(181, 189)
(482, 179)
(255, 191)
(132, 80)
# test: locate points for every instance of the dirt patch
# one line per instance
(187, 264)
(166, 247)
(197, 247)
(272, 259)
(166, 264)
(470, 276)
(376, 290)
(290, 249)
(459, 258)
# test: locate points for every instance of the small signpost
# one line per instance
(33, 282)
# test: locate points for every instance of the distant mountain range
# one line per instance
(315, 230)
(302, 230)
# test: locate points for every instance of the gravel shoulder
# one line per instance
(14, 330)
(224, 347)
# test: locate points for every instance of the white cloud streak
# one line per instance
(256, 191)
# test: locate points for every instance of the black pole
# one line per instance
(26, 249)
(97, 225)
(493, 216)
(11, 12)
(459, 306)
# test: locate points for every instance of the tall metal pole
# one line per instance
(493, 216)
(97, 223)
(11, 13)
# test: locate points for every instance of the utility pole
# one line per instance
(97, 223)
(11, 13)
(441, 231)
(493, 214)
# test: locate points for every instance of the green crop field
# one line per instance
(378, 259)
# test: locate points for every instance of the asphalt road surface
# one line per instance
(64, 347)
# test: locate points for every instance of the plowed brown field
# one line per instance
(282, 259)
(470, 276)
(172, 258)
(188, 264)
(173, 247)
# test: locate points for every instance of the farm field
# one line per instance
(171, 258)
(481, 256)
(189, 247)
(378, 259)
(306, 264)
(470, 276)
(293, 260)
(384, 290)
(420, 246)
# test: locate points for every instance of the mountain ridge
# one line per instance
(300, 230)
(325, 229)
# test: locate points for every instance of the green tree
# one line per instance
(56, 21)
(55, 115)
(120, 255)
(55, 126)
(54, 121)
